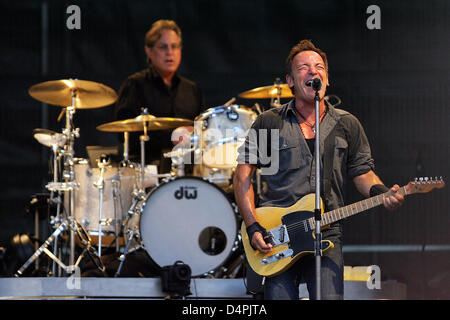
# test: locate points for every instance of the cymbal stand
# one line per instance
(133, 234)
(85, 239)
(103, 162)
(126, 151)
(275, 102)
(69, 183)
(143, 139)
(138, 194)
(69, 174)
(55, 200)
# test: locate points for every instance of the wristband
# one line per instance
(255, 227)
(378, 189)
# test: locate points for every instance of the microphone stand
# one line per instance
(316, 85)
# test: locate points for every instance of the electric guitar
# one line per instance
(291, 229)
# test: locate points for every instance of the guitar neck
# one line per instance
(352, 209)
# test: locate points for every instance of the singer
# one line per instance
(345, 156)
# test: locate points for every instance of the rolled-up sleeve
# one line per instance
(360, 159)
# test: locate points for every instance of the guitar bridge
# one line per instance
(279, 235)
(277, 257)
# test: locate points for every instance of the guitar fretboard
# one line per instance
(352, 209)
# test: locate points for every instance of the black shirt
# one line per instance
(146, 89)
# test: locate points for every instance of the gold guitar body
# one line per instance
(271, 218)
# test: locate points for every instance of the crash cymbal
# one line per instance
(273, 91)
(88, 94)
(49, 138)
(137, 124)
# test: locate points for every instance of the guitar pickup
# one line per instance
(278, 235)
(277, 257)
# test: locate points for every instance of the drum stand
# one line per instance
(73, 225)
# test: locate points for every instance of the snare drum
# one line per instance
(187, 219)
(117, 197)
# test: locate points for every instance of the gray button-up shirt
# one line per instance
(287, 164)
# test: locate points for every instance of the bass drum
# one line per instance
(187, 219)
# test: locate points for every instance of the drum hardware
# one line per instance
(151, 123)
(88, 95)
(275, 92)
(84, 237)
(49, 138)
(257, 107)
(133, 234)
(177, 157)
(126, 143)
(143, 123)
(230, 102)
(202, 216)
(219, 132)
(102, 162)
(71, 94)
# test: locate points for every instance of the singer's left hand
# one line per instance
(394, 201)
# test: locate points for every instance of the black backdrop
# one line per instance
(395, 80)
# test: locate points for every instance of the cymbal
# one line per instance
(49, 138)
(273, 91)
(137, 124)
(88, 94)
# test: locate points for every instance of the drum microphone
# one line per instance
(315, 83)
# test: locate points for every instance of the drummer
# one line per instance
(161, 90)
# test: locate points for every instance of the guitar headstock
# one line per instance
(425, 184)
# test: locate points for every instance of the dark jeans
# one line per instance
(285, 286)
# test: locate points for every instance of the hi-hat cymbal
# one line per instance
(49, 138)
(88, 94)
(273, 91)
(137, 124)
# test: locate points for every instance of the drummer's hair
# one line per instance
(304, 45)
(155, 32)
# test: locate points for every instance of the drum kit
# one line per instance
(187, 218)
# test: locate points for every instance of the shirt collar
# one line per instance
(153, 74)
(330, 109)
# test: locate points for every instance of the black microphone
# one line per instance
(316, 84)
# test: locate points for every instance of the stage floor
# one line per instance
(70, 288)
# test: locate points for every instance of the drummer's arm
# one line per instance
(244, 195)
(181, 135)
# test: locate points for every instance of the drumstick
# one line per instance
(229, 102)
